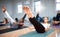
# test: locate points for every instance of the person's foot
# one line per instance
(3, 8)
(27, 11)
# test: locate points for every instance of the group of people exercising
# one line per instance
(39, 27)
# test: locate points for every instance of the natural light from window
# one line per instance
(57, 4)
(38, 6)
(57, 0)
(19, 8)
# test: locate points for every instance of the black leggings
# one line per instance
(37, 25)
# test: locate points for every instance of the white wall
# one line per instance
(11, 6)
(50, 8)
(8, 5)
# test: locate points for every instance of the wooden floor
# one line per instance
(19, 32)
(16, 33)
(4, 27)
(53, 34)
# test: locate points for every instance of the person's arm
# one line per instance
(24, 17)
(37, 15)
(3, 23)
(48, 27)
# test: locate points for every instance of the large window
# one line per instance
(38, 6)
(57, 4)
(19, 8)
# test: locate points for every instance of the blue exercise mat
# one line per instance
(35, 34)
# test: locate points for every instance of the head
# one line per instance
(45, 19)
(58, 11)
(16, 19)
(5, 20)
(54, 19)
(21, 20)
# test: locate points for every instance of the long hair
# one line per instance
(16, 19)
(43, 19)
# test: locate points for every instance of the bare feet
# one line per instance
(27, 11)
(3, 8)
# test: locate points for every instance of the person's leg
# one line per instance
(38, 26)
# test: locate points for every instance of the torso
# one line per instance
(45, 25)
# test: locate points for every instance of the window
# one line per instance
(38, 6)
(20, 8)
(57, 4)
(57, 0)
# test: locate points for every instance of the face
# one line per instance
(45, 19)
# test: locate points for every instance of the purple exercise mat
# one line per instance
(56, 26)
